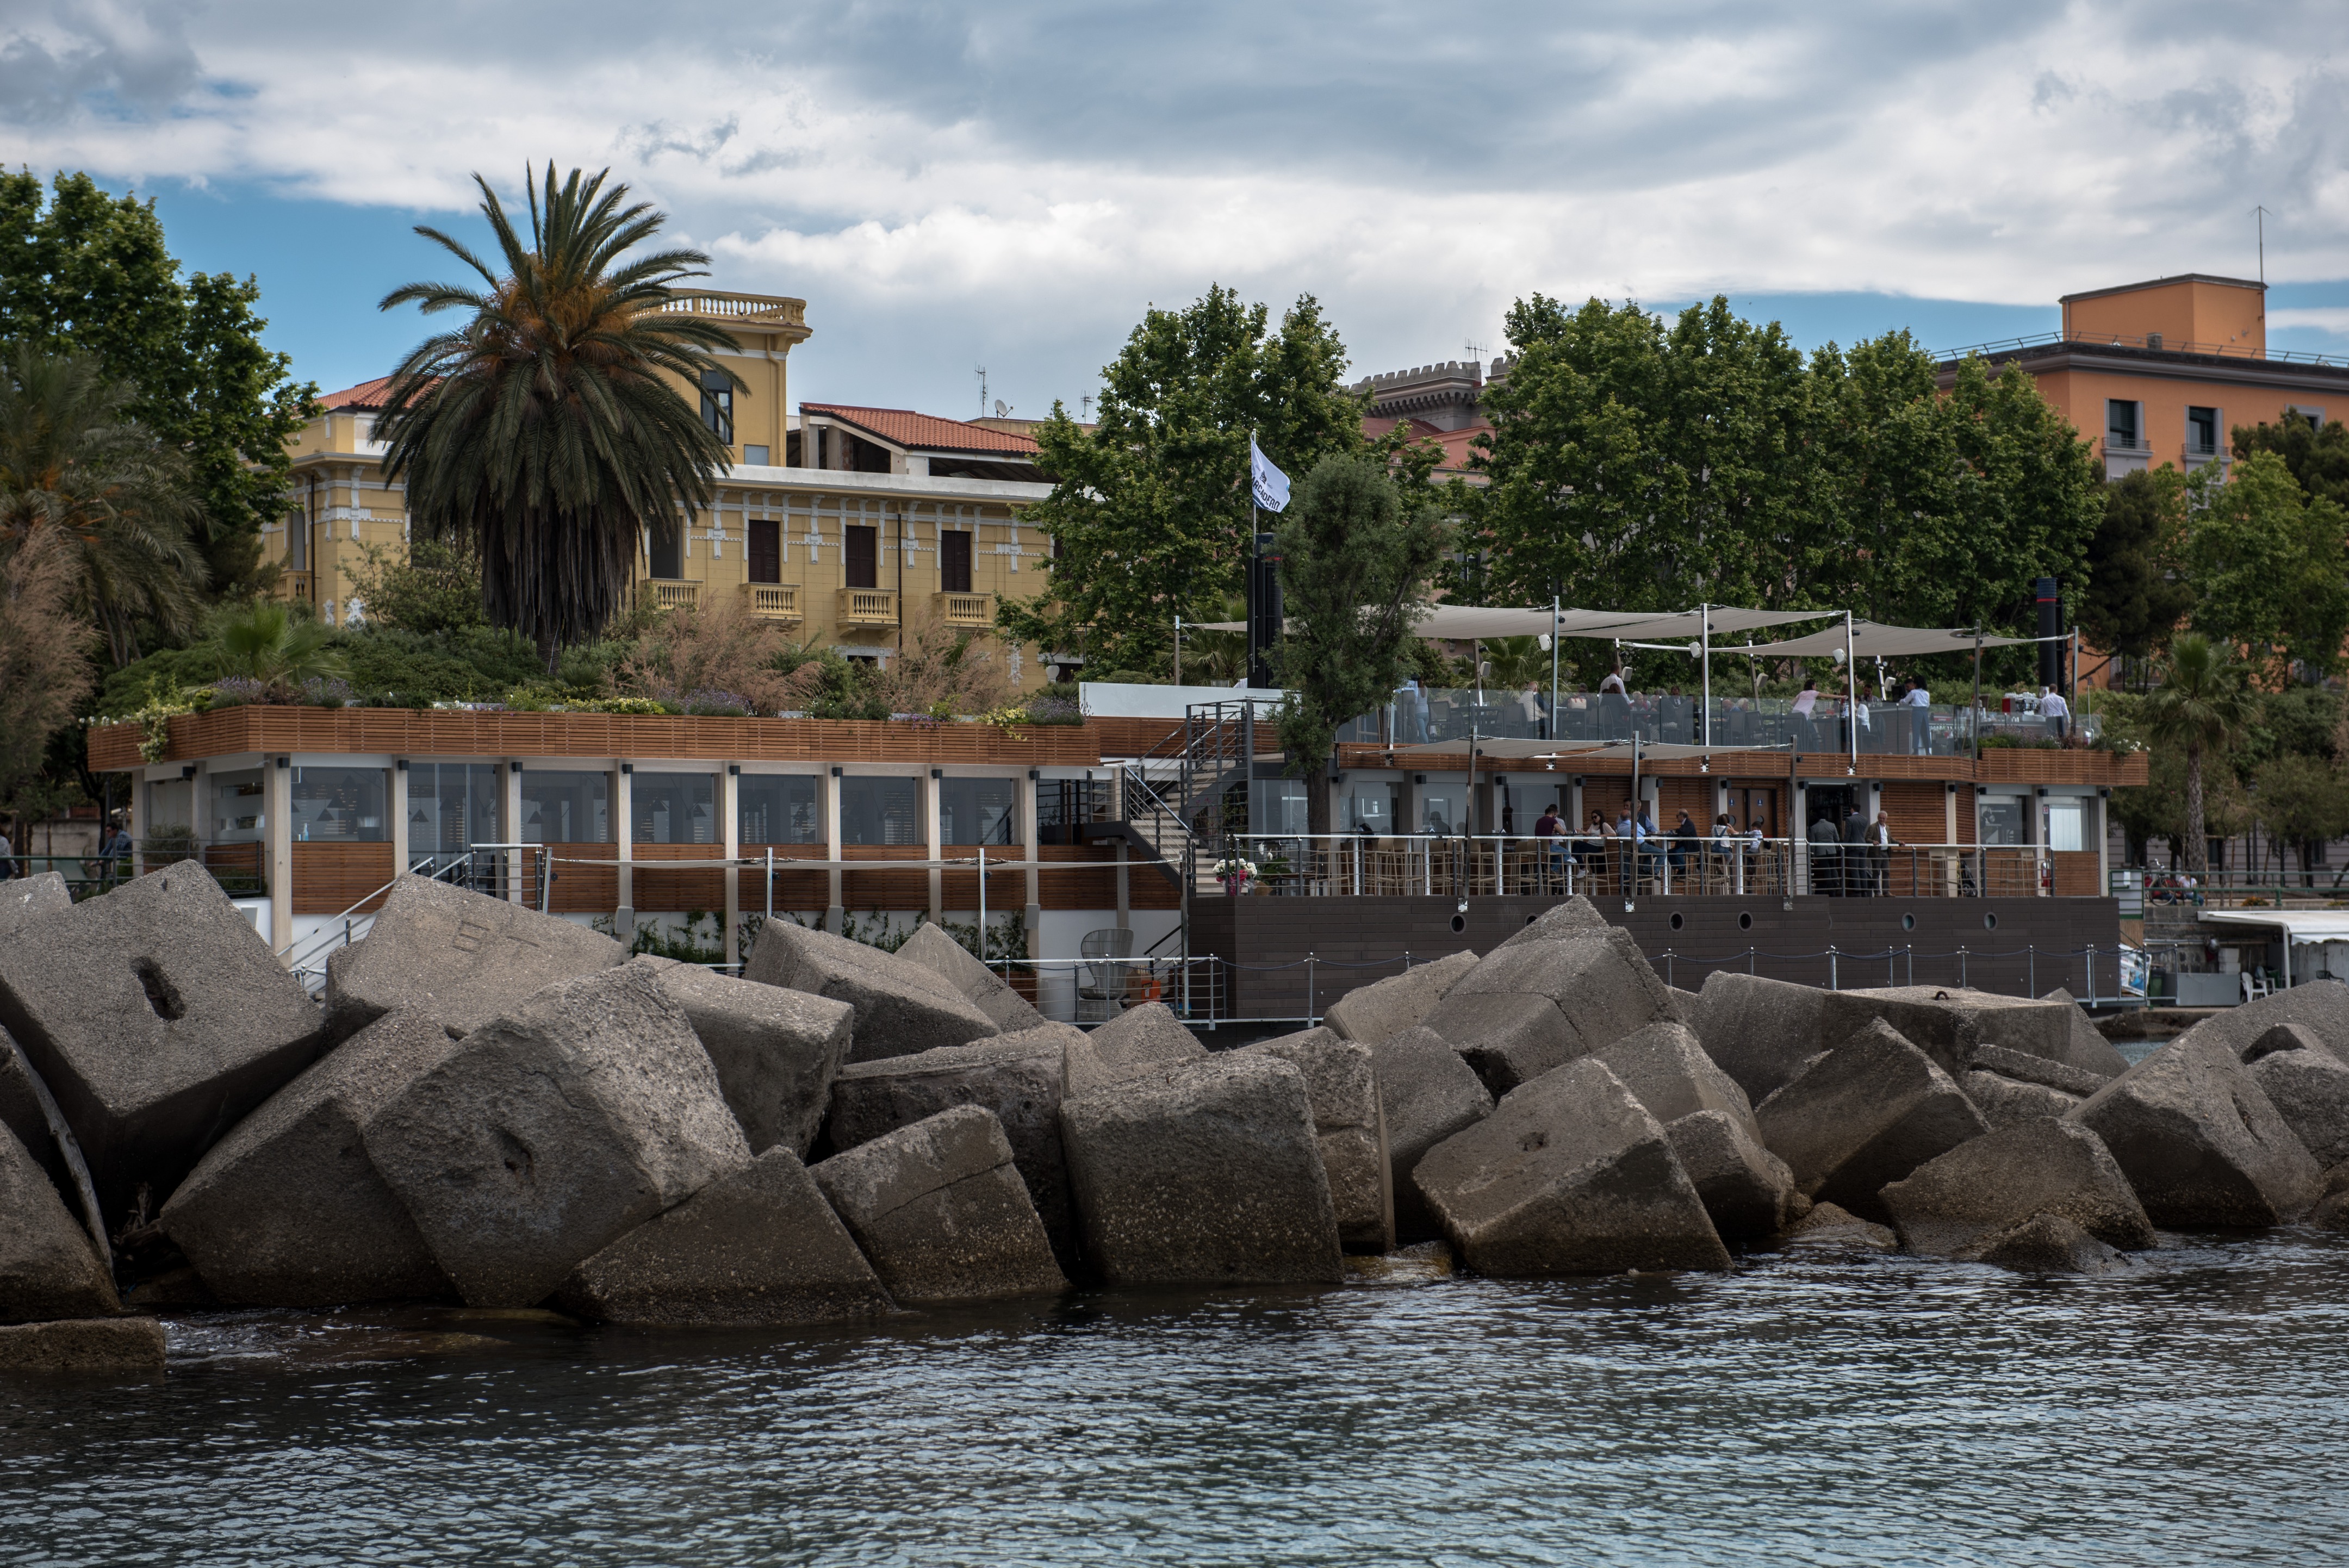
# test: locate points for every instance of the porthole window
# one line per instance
(1908, 922)
(1989, 922)
(1745, 923)
(1531, 918)
(1678, 920)
(1459, 923)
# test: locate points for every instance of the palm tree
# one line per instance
(542, 434)
(271, 644)
(2203, 704)
(118, 501)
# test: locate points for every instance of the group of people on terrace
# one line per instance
(1626, 851)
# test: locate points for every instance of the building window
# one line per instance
(766, 550)
(754, 456)
(777, 809)
(862, 556)
(2202, 431)
(297, 542)
(673, 809)
(882, 811)
(718, 405)
(2121, 424)
(667, 550)
(977, 811)
(451, 806)
(565, 808)
(953, 561)
(236, 816)
(339, 806)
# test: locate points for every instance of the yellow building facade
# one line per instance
(852, 526)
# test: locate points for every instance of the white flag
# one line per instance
(1271, 485)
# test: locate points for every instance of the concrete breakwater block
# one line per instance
(49, 1267)
(1427, 1092)
(1571, 1174)
(31, 1113)
(2008, 1103)
(1760, 1031)
(288, 1209)
(901, 1007)
(460, 958)
(1865, 1113)
(1832, 1229)
(84, 1347)
(1949, 1024)
(32, 898)
(2309, 1087)
(2320, 1006)
(776, 1051)
(2089, 1052)
(1668, 1071)
(1531, 1007)
(1561, 922)
(1958, 1204)
(1342, 1087)
(757, 1247)
(940, 1211)
(157, 1016)
(2199, 1138)
(2051, 1244)
(982, 987)
(1747, 1191)
(2023, 1067)
(1206, 1172)
(558, 1128)
(1138, 1040)
(1388, 1007)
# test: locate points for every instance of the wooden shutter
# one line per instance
(954, 562)
(864, 555)
(766, 551)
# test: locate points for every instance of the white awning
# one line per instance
(2302, 925)
(1872, 639)
(1478, 622)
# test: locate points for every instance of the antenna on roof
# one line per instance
(1475, 351)
(1000, 411)
(981, 371)
(1085, 409)
(2260, 214)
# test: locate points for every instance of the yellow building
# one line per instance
(853, 526)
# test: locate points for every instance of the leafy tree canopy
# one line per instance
(2317, 455)
(2268, 564)
(2136, 588)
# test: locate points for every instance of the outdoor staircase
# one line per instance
(1158, 799)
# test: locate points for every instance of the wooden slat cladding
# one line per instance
(886, 890)
(2074, 873)
(1916, 813)
(794, 890)
(678, 891)
(589, 889)
(330, 877)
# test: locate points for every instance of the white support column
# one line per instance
(624, 851)
(729, 784)
(510, 828)
(835, 917)
(1124, 868)
(398, 808)
(931, 828)
(1027, 837)
(1798, 839)
(2093, 809)
(277, 835)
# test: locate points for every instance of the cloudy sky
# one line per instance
(1010, 183)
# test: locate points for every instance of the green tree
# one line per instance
(2270, 567)
(89, 274)
(1149, 514)
(2137, 590)
(44, 664)
(73, 468)
(2203, 704)
(2317, 455)
(277, 644)
(1356, 550)
(543, 435)
(2301, 802)
(2029, 495)
(431, 586)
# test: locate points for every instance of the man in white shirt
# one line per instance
(2055, 711)
(1919, 704)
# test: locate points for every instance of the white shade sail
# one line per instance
(1479, 622)
(1872, 639)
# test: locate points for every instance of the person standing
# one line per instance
(1807, 704)
(1880, 845)
(2057, 712)
(1919, 701)
(7, 856)
(1856, 877)
(1825, 854)
(1688, 845)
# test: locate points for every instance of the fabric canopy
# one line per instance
(2298, 925)
(1464, 621)
(1871, 639)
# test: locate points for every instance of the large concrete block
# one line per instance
(2309, 1089)
(559, 1127)
(2023, 1067)
(1016, 1078)
(1385, 1008)
(1950, 1023)
(2089, 1051)
(1669, 1072)
(757, 1247)
(1569, 1175)
(941, 1212)
(982, 987)
(288, 1210)
(1427, 1092)
(31, 1113)
(85, 1347)
(158, 1017)
(1563, 921)
(1958, 1204)
(2199, 1140)
(1138, 1040)
(901, 1007)
(2008, 1103)
(1746, 1190)
(1341, 1085)
(1759, 1030)
(1206, 1172)
(27, 899)
(2322, 1007)
(455, 955)
(1864, 1114)
(1831, 1229)
(776, 1051)
(1599, 988)
(49, 1267)
(2051, 1244)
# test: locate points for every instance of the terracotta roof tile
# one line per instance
(365, 396)
(926, 433)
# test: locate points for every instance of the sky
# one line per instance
(1011, 184)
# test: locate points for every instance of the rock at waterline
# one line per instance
(1956, 1204)
(1388, 1007)
(1748, 1192)
(901, 1007)
(2089, 1051)
(1865, 1113)
(2007, 1102)
(1760, 1031)
(1949, 1024)
(84, 1347)
(982, 987)
(940, 1211)
(557, 1128)
(757, 1247)
(288, 1210)
(49, 1267)
(2199, 1138)
(1569, 1175)
(1426, 1093)
(1137, 1041)
(2309, 1087)
(1342, 1087)
(1206, 1172)
(1829, 1228)
(31, 1112)
(2051, 1244)
(1531, 1007)
(776, 1051)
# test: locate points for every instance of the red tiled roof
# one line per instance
(1455, 443)
(926, 433)
(366, 397)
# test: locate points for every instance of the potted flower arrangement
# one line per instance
(1236, 874)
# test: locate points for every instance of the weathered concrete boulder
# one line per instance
(757, 1247)
(1748, 1191)
(2008, 1103)
(558, 1128)
(1865, 1113)
(901, 1007)
(1668, 1071)
(49, 1267)
(1016, 1078)
(31, 1113)
(2309, 1089)
(941, 1212)
(1956, 1204)
(2199, 1140)
(1949, 1024)
(2320, 1006)
(1830, 1228)
(775, 1051)
(2332, 1212)
(2051, 1244)
(2077, 1082)
(1532, 1005)
(288, 1209)
(1427, 1093)
(1138, 1040)
(1206, 1172)
(26, 899)
(1569, 1175)
(2089, 1052)
(457, 956)
(2281, 1038)
(158, 1017)
(982, 987)
(1759, 1030)
(85, 1347)
(1385, 1008)
(1341, 1085)
(1561, 922)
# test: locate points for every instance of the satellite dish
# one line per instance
(999, 409)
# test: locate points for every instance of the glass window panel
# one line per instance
(2064, 824)
(881, 811)
(778, 809)
(451, 806)
(171, 806)
(675, 808)
(1439, 808)
(235, 801)
(979, 812)
(565, 808)
(1370, 809)
(339, 806)
(1277, 807)
(2002, 822)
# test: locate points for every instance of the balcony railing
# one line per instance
(672, 595)
(297, 586)
(773, 601)
(773, 310)
(974, 610)
(868, 607)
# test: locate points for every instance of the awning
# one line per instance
(1479, 622)
(2302, 925)
(1872, 639)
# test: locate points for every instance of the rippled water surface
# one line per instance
(1883, 1410)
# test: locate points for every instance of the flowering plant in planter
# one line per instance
(1236, 874)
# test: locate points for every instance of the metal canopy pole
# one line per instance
(1851, 696)
(1975, 718)
(1550, 731)
(1704, 707)
(1178, 650)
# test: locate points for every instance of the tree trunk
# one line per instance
(548, 652)
(2197, 842)
(1318, 791)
